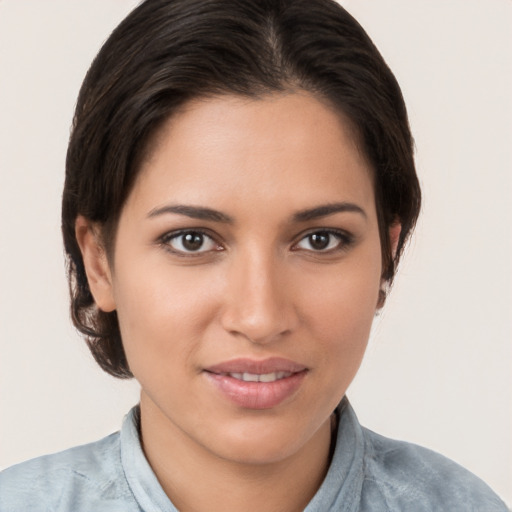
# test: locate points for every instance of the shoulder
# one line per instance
(74, 479)
(408, 477)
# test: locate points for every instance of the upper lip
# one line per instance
(258, 367)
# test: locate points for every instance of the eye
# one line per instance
(324, 241)
(190, 242)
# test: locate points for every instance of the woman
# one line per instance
(239, 188)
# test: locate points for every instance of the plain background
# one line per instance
(437, 371)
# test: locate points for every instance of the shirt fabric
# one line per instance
(368, 473)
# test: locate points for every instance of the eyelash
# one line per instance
(167, 239)
(344, 241)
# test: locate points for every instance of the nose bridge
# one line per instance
(258, 302)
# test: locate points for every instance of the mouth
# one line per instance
(256, 377)
(275, 367)
(253, 384)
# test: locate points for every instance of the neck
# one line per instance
(195, 479)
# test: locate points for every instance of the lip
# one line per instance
(270, 365)
(256, 395)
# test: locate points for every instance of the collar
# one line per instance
(340, 490)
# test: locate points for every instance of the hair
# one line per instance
(168, 52)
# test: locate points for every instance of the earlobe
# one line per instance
(96, 264)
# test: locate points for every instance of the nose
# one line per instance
(259, 304)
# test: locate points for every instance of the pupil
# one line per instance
(319, 240)
(192, 241)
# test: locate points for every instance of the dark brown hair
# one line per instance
(167, 52)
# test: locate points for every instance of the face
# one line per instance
(246, 273)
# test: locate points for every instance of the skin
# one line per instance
(256, 288)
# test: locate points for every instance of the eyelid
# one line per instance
(167, 237)
(346, 240)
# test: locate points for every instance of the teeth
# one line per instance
(250, 377)
(255, 377)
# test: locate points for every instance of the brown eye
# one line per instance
(319, 241)
(191, 242)
(323, 241)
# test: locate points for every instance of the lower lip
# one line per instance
(257, 395)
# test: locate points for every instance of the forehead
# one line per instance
(292, 148)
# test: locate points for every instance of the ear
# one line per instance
(394, 235)
(96, 264)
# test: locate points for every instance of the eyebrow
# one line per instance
(194, 212)
(327, 209)
(203, 213)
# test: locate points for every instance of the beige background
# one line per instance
(438, 369)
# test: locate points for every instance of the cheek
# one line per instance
(162, 311)
(342, 309)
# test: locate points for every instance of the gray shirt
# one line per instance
(368, 472)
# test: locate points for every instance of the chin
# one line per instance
(257, 453)
(262, 442)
